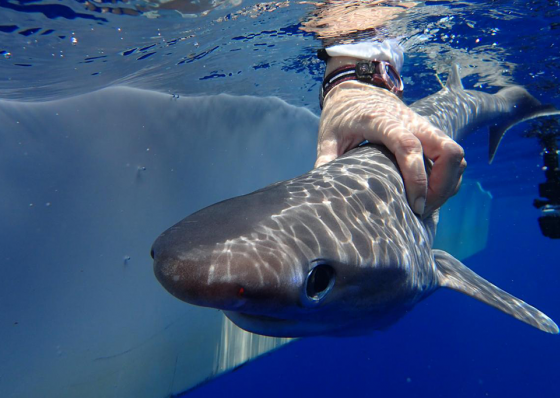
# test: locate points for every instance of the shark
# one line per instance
(338, 251)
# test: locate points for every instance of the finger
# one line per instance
(327, 150)
(446, 174)
(433, 139)
(430, 207)
(408, 152)
(448, 161)
(458, 186)
(324, 159)
(334, 142)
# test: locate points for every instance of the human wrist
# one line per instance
(379, 74)
(374, 63)
(356, 89)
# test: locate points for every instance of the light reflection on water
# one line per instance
(53, 51)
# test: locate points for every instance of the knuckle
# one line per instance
(409, 144)
(456, 155)
(462, 166)
(378, 114)
(420, 179)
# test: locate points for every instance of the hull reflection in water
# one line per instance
(87, 183)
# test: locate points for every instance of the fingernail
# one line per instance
(419, 205)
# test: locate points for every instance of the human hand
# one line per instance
(354, 112)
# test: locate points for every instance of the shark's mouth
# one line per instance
(264, 318)
(267, 325)
(279, 327)
(264, 324)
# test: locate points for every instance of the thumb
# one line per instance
(323, 159)
(327, 151)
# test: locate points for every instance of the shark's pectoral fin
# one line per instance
(455, 275)
(526, 107)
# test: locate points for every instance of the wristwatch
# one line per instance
(378, 66)
(376, 73)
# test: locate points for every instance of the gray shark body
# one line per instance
(459, 112)
(336, 251)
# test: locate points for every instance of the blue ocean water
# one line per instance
(449, 346)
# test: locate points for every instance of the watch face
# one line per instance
(363, 68)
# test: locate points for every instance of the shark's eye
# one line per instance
(320, 281)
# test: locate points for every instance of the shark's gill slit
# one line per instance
(319, 282)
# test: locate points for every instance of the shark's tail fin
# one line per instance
(455, 275)
(524, 106)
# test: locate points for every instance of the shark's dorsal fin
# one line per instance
(528, 108)
(454, 79)
(455, 275)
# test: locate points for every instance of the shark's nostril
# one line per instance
(152, 254)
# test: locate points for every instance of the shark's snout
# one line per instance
(187, 276)
(215, 258)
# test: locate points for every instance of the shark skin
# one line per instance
(336, 251)
(459, 112)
